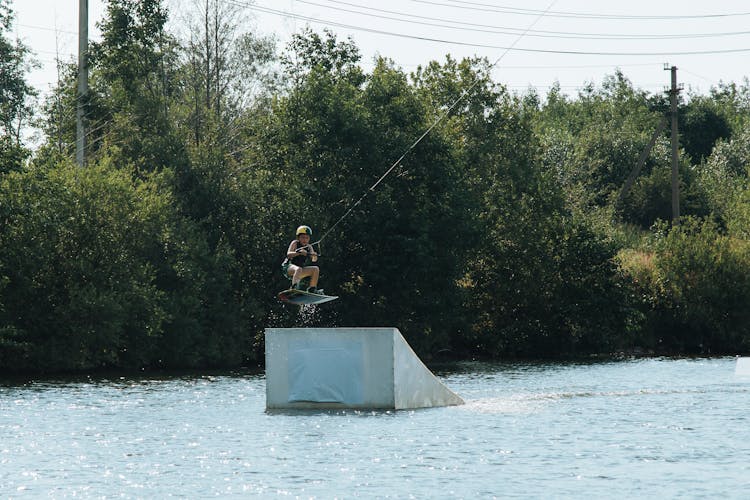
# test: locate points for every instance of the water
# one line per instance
(647, 428)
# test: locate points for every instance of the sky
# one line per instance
(534, 43)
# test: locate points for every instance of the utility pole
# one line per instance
(83, 79)
(673, 91)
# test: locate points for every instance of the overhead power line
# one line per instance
(484, 7)
(42, 28)
(455, 24)
(435, 123)
(325, 22)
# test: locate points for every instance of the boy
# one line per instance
(297, 255)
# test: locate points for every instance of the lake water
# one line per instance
(629, 429)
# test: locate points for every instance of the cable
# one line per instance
(431, 127)
(30, 26)
(514, 31)
(697, 75)
(476, 6)
(477, 45)
(366, 64)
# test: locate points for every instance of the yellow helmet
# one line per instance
(304, 230)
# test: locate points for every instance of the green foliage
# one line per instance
(732, 100)
(545, 286)
(58, 121)
(101, 271)
(133, 75)
(592, 144)
(736, 216)
(695, 288)
(221, 68)
(80, 286)
(496, 235)
(334, 137)
(308, 52)
(12, 155)
(650, 198)
(130, 53)
(15, 91)
(724, 174)
(701, 125)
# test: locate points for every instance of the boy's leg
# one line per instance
(315, 274)
(311, 272)
(301, 274)
(294, 273)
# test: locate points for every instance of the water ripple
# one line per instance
(646, 428)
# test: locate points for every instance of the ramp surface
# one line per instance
(348, 368)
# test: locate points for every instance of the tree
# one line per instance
(133, 73)
(592, 144)
(733, 102)
(702, 124)
(80, 291)
(595, 142)
(58, 118)
(308, 52)
(15, 93)
(223, 68)
(334, 134)
(696, 290)
(539, 276)
(724, 174)
(99, 270)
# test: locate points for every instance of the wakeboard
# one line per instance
(304, 298)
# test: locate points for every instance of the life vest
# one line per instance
(297, 260)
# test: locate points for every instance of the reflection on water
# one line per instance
(646, 428)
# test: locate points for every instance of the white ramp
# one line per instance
(348, 368)
(742, 367)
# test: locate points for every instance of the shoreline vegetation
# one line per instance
(499, 237)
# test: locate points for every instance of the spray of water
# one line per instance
(308, 316)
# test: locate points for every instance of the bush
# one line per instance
(101, 271)
(695, 288)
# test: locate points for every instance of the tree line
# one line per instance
(500, 235)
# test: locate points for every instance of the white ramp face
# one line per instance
(309, 368)
(742, 367)
(414, 384)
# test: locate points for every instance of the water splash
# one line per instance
(505, 405)
(308, 315)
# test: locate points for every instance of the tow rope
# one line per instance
(429, 129)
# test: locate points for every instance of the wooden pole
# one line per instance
(673, 91)
(83, 79)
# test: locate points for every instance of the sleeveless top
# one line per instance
(297, 260)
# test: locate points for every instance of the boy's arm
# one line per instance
(292, 250)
